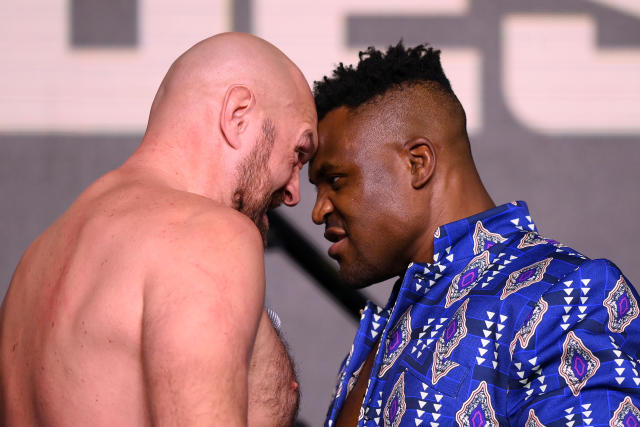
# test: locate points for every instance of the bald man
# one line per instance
(143, 303)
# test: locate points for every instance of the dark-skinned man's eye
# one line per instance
(334, 180)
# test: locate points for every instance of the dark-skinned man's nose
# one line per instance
(321, 209)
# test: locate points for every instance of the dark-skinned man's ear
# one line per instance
(234, 114)
(422, 157)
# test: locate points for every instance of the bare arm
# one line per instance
(202, 306)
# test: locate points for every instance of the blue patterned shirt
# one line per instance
(504, 328)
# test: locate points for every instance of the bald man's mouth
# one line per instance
(276, 201)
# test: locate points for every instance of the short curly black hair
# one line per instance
(377, 72)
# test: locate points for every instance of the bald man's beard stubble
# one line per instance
(253, 196)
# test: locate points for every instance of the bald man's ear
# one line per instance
(422, 159)
(234, 116)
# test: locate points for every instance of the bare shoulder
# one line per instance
(213, 240)
(227, 225)
(211, 231)
(162, 232)
(203, 295)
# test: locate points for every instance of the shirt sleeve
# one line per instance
(575, 358)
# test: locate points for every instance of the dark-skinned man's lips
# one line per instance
(338, 236)
(334, 233)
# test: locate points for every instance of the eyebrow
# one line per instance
(321, 172)
(307, 140)
(311, 142)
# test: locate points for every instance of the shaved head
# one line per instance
(239, 117)
(198, 79)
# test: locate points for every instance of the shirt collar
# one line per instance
(463, 239)
(466, 238)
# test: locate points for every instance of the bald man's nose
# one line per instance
(292, 188)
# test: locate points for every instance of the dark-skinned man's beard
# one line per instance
(253, 196)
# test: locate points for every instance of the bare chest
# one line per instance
(273, 388)
(348, 416)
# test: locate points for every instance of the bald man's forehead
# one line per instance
(236, 58)
(213, 65)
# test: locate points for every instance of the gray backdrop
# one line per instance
(581, 189)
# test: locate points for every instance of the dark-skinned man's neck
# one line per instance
(459, 196)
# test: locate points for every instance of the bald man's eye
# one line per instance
(303, 156)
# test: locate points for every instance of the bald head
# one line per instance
(195, 85)
(233, 120)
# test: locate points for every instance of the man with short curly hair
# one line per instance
(490, 323)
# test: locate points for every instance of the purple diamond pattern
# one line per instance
(396, 406)
(627, 415)
(455, 330)
(524, 277)
(397, 340)
(531, 323)
(578, 364)
(477, 410)
(532, 420)
(483, 239)
(621, 305)
(467, 279)
(532, 239)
